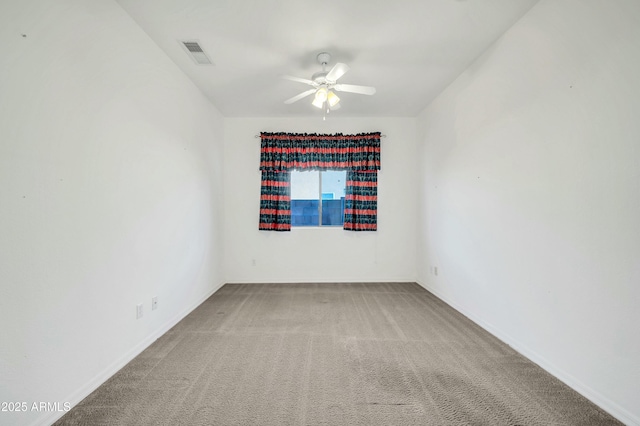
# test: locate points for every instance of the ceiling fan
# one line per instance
(324, 84)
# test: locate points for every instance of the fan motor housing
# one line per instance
(320, 77)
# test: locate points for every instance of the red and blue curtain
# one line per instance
(361, 201)
(358, 154)
(275, 201)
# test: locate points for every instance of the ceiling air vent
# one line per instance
(192, 47)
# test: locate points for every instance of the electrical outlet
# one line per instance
(139, 312)
(154, 303)
(253, 262)
(435, 271)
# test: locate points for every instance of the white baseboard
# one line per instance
(77, 396)
(597, 398)
(323, 281)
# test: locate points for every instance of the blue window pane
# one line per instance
(304, 213)
(333, 212)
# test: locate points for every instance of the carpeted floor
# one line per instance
(331, 354)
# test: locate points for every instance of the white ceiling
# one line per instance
(410, 50)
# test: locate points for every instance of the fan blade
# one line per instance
(299, 80)
(300, 96)
(337, 71)
(352, 88)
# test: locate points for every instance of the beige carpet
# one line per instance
(331, 354)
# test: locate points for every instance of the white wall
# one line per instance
(530, 195)
(110, 193)
(320, 254)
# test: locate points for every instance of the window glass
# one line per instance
(333, 187)
(317, 198)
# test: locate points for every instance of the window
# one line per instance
(283, 154)
(317, 198)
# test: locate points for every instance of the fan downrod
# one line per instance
(323, 59)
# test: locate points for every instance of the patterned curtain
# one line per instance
(275, 201)
(288, 151)
(361, 201)
(358, 154)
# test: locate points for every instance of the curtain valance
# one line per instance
(302, 151)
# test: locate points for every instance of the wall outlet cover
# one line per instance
(139, 311)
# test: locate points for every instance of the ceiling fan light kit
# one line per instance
(317, 102)
(324, 84)
(333, 99)
(321, 94)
